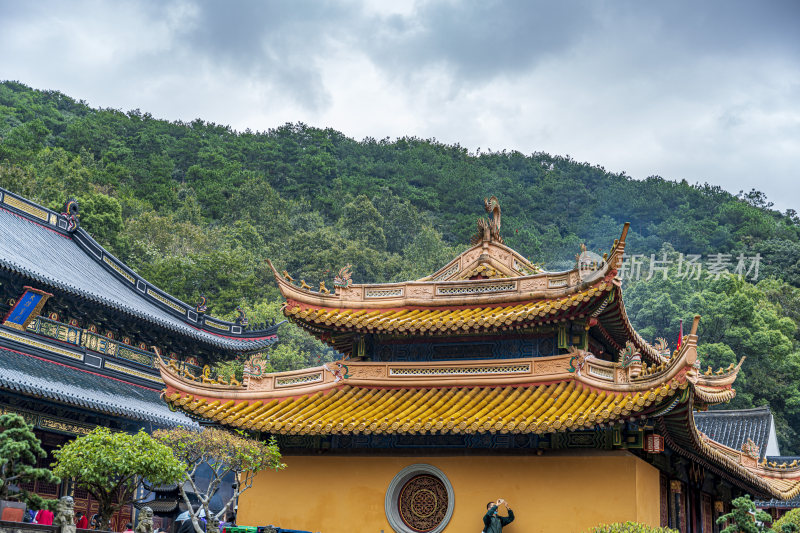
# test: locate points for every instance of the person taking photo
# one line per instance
(493, 522)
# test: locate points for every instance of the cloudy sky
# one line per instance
(702, 91)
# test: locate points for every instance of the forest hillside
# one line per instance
(196, 208)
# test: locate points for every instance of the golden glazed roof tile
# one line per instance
(444, 320)
(361, 410)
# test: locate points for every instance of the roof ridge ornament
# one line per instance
(72, 215)
(201, 306)
(344, 278)
(750, 448)
(241, 320)
(489, 230)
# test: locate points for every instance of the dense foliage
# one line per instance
(739, 319)
(629, 527)
(197, 208)
(788, 523)
(19, 453)
(113, 466)
(224, 453)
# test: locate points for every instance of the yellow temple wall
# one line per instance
(555, 492)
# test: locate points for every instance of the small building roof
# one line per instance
(733, 427)
(36, 245)
(38, 377)
(776, 503)
(161, 505)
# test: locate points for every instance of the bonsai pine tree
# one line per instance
(744, 518)
(113, 466)
(19, 451)
(224, 452)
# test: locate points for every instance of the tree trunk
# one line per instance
(105, 513)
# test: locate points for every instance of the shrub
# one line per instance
(629, 527)
(785, 523)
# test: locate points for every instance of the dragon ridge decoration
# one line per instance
(631, 359)
(489, 230)
(71, 214)
(662, 347)
(344, 278)
(255, 365)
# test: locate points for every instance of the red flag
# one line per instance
(680, 337)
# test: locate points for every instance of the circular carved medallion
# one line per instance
(419, 499)
(423, 503)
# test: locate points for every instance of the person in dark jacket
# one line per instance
(493, 522)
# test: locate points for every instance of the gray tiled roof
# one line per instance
(159, 506)
(775, 503)
(56, 260)
(733, 427)
(779, 504)
(34, 376)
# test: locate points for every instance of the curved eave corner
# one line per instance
(742, 467)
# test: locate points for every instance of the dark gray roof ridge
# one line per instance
(733, 427)
(139, 298)
(761, 410)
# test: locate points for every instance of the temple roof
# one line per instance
(369, 410)
(161, 505)
(36, 244)
(740, 466)
(536, 395)
(456, 320)
(489, 288)
(41, 378)
(775, 502)
(488, 273)
(734, 427)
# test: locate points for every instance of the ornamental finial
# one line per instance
(344, 278)
(489, 230)
(71, 214)
(241, 320)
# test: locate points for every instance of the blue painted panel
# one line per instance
(26, 305)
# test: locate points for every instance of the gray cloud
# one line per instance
(707, 91)
(481, 39)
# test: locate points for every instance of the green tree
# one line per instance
(19, 450)
(101, 216)
(113, 466)
(745, 518)
(225, 453)
(788, 523)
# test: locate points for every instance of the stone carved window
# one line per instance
(419, 499)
